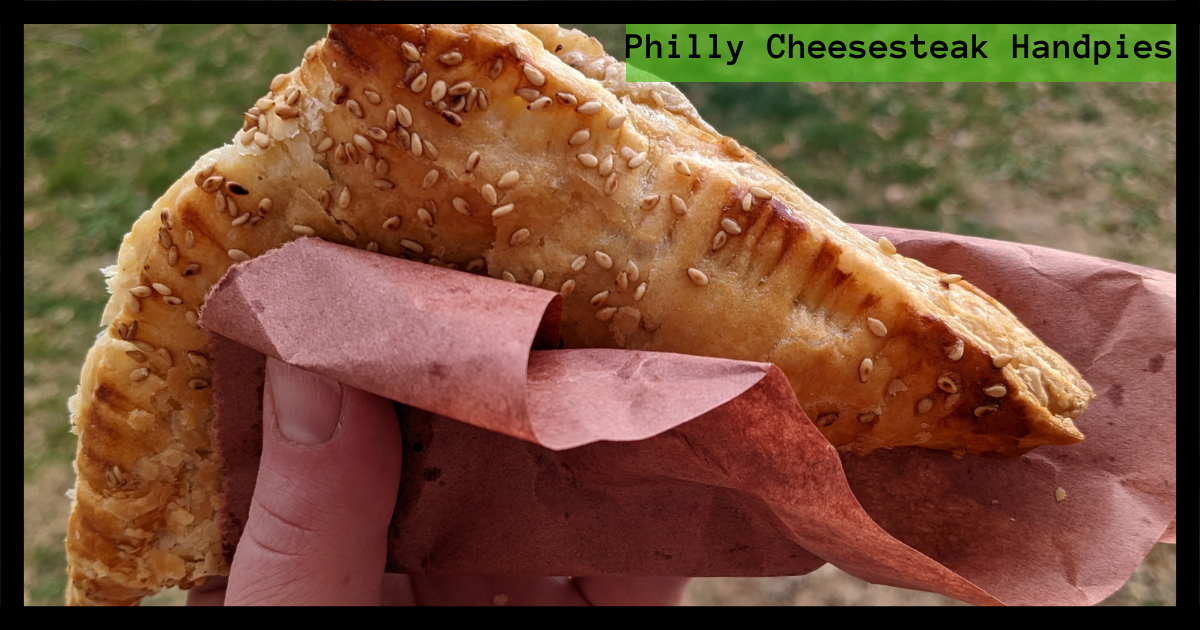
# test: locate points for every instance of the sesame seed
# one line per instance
(430, 179)
(262, 140)
(622, 282)
(475, 264)
(599, 299)
(411, 246)
(383, 184)
(508, 179)
(924, 405)
(418, 84)
(140, 291)
(167, 221)
(538, 277)
(438, 91)
(579, 262)
(534, 75)
(678, 205)
(826, 419)
(632, 271)
(682, 168)
(606, 166)
(746, 201)
(323, 199)
(392, 223)
(508, 276)
(352, 152)
(364, 144)
(503, 210)
(627, 153)
(192, 318)
(249, 121)
(473, 161)
(865, 368)
(1060, 495)
(390, 120)
(278, 82)
(639, 292)
(339, 154)
(459, 89)
(417, 148)
(238, 255)
(947, 384)
(616, 121)
(303, 230)
(734, 148)
(343, 200)
(489, 194)
(425, 217)
(377, 134)
(496, 69)
(606, 314)
(1001, 360)
(867, 417)
(876, 327)
(310, 53)
(197, 359)
(339, 94)
(985, 410)
(136, 355)
(472, 98)
(896, 386)
(204, 174)
(410, 52)
(131, 331)
(230, 205)
(254, 221)
(761, 193)
(172, 300)
(172, 256)
(950, 278)
(649, 201)
(189, 239)
(161, 288)
(589, 108)
(197, 383)
(263, 104)
(354, 108)
(287, 111)
(452, 58)
(610, 185)
(519, 238)
(955, 351)
(603, 259)
(886, 246)
(461, 205)
(382, 167)
(541, 103)
(731, 226)
(164, 238)
(135, 305)
(529, 94)
(579, 137)
(996, 391)
(403, 116)
(211, 184)
(191, 270)
(373, 247)
(587, 159)
(719, 240)
(657, 98)
(139, 374)
(950, 401)
(431, 206)
(430, 150)
(483, 99)
(244, 217)
(697, 276)
(566, 288)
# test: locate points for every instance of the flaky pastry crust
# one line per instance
(523, 154)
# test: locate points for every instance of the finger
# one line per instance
(632, 591)
(327, 483)
(211, 593)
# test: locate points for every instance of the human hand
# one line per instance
(317, 530)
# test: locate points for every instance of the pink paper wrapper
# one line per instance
(591, 462)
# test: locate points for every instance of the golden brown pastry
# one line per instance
(521, 153)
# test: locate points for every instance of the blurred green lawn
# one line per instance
(114, 114)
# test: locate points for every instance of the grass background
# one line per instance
(114, 114)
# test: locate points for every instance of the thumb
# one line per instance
(327, 483)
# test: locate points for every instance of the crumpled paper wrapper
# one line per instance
(613, 462)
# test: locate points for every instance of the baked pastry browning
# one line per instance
(522, 153)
